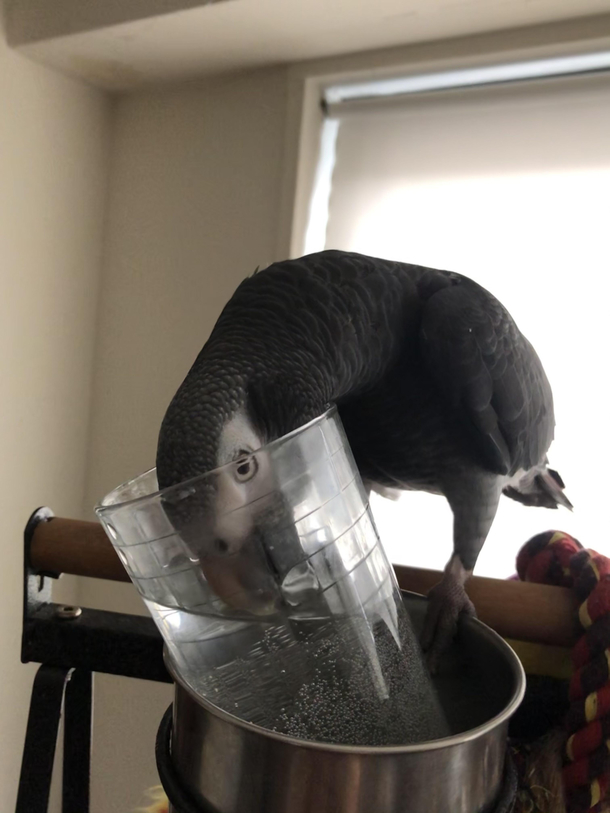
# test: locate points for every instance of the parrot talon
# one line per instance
(447, 603)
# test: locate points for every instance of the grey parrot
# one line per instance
(436, 387)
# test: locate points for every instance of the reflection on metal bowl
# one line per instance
(237, 767)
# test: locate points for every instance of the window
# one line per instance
(509, 185)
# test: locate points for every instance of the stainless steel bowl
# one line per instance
(237, 767)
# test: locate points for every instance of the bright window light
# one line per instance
(557, 221)
(315, 236)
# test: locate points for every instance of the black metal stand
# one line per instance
(71, 643)
(78, 718)
(179, 797)
(54, 686)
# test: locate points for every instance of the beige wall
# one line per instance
(194, 207)
(200, 193)
(53, 154)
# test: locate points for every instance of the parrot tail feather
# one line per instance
(551, 482)
(542, 487)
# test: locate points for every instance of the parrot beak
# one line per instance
(235, 558)
(229, 551)
(243, 578)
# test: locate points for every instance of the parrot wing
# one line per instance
(488, 373)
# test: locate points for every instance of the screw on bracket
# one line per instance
(67, 611)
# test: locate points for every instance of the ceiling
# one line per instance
(122, 44)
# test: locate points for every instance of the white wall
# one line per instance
(193, 208)
(53, 156)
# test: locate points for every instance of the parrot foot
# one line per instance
(447, 602)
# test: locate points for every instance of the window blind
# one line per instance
(510, 185)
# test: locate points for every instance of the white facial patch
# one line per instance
(234, 517)
(238, 435)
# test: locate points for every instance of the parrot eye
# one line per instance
(245, 469)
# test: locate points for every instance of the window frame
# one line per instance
(307, 82)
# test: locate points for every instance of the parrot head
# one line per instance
(228, 511)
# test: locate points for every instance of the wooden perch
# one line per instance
(520, 610)
(517, 610)
(76, 547)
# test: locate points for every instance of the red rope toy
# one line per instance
(557, 558)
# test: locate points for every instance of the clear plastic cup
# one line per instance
(274, 596)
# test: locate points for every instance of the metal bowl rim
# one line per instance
(429, 745)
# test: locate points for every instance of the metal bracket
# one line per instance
(84, 638)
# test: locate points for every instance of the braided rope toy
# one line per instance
(557, 558)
